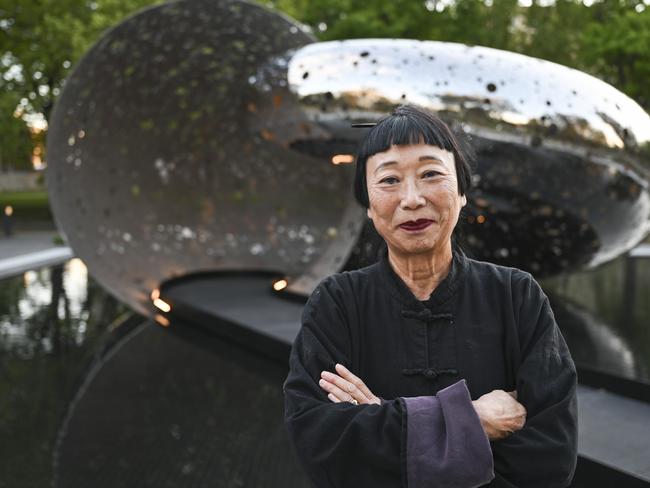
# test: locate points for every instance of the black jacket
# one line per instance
(488, 325)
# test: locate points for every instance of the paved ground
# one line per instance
(26, 242)
(30, 249)
(614, 430)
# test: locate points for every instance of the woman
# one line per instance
(389, 357)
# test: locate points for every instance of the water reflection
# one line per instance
(178, 407)
(52, 322)
(131, 410)
(604, 315)
(44, 310)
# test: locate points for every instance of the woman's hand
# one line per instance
(500, 413)
(346, 387)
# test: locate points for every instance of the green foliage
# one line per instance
(15, 140)
(40, 41)
(619, 52)
(27, 205)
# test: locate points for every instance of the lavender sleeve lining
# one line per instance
(445, 444)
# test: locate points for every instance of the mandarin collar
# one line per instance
(445, 290)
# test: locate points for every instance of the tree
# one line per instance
(618, 51)
(15, 140)
(39, 43)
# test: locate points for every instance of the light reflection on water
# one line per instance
(51, 322)
(44, 300)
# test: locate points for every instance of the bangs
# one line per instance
(402, 130)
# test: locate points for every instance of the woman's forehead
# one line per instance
(412, 153)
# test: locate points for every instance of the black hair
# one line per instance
(406, 125)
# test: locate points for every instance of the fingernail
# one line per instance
(321, 382)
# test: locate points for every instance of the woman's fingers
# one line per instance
(355, 380)
(343, 384)
(338, 392)
(333, 398)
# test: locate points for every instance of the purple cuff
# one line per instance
(445, 444)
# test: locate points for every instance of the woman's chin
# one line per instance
(415, 247)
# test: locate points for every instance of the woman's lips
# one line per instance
(415, 225)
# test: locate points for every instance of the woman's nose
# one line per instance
(412, 196)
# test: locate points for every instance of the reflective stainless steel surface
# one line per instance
(563, 158)
(168, 153)
(202, 135)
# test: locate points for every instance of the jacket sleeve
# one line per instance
(544, 452)
(414, 442)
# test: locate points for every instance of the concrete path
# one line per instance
(614, 430)
(29, 250)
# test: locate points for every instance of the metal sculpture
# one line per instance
(201, 135)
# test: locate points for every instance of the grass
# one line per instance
(28, 205)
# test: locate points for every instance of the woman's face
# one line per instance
(413, 195)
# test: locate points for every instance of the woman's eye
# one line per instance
(391, 180)
(430, 174)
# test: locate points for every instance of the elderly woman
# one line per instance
(428, 368)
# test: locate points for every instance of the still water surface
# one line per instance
(51, 321)
(54, 321)
(604, 315)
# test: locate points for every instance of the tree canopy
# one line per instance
(41, 40)
(39, 43)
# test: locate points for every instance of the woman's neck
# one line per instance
(421, 272)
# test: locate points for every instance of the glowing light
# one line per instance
(342, 159)
(280, 285)
(162, 305)
(480, 219)
(9, 210)
(155, 294)
(160, 320)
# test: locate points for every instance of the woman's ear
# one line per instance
(369, 213)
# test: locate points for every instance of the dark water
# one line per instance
(51, 321)
(604, 315)
(83, 404)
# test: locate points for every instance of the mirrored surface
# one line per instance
(52, 322)
(604, 315)
(170, 151)
(562, 157)
(166, 410)
(166, 406)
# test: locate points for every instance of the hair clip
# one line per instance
(363, 125)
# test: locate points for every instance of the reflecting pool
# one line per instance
(92, 395)
(604, 315)
(51, 323)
